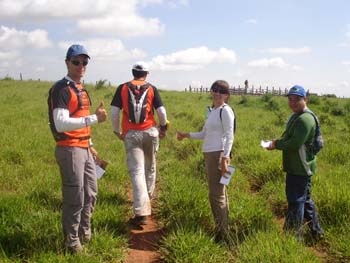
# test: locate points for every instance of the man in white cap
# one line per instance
(70, 121)
(299, 163)
(137, 100)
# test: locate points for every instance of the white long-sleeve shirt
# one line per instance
(217, 133)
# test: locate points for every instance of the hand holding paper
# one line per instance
(225, 179)
(265, 144)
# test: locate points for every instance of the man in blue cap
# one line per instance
(299, 163)
(70, 121)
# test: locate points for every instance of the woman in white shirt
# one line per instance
(217, 136)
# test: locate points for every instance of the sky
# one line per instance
(270, 43)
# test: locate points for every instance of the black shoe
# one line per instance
(317, 235)
(138, 221)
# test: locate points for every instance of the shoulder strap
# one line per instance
(313, 115)
(67, 83)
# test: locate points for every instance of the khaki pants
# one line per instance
(217, 192)
(79, 191)
(141, 150)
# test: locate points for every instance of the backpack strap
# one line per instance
(313, 115)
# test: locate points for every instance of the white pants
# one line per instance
(141, 150)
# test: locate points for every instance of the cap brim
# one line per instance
(293, 93)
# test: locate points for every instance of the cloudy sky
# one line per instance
(186, 42)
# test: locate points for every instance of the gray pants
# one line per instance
(217, 192)
(141, 149)
(79, 190)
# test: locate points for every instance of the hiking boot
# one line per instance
(317, 235)
(86, 238)
(138, 221)
(77, 249)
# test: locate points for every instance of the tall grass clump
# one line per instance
(273, 247)
(186, 245)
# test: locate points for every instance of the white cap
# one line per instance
(140, 66)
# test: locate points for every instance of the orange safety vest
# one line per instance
(137, 109)
(78, 106)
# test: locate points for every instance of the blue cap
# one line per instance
(76, 50)
(297, 90)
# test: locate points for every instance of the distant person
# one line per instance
(137, 99)
(246, 85)
(217, 136)
(70, 121)
(299, 163)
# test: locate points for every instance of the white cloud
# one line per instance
(347, 34)
(170, 3)
(297, 68)
(193, 58)
(122, 25)
(26, 10)
(287, 50)
(251, 21)
(39, 69)
(121, 19)
(196, 83)
(107, 49)
(277, 62)
(11, 38)
(339, 85)
(178, 3)
(114, 18)
(347, 38)
(8, 55)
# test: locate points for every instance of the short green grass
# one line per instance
(30, 194)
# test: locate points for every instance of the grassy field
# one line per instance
(30, 193)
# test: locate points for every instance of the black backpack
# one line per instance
(317, 143)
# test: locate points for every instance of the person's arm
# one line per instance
(227, 120)
(64, 123)
(227, 124)
(115, 113)
(197, 135)
(161, 112)
(116, 106)
(299, 135)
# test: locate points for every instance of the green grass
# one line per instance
(30, 184)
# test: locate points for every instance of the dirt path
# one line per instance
(143, 244)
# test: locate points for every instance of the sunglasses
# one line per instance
(221, 91)
(77, 63)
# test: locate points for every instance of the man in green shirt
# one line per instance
(299, 163)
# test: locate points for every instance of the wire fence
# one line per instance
(256, 91)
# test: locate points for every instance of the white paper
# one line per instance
(99, 171)
(225, 179)
(265, 144)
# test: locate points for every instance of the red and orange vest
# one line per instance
(78, 106)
